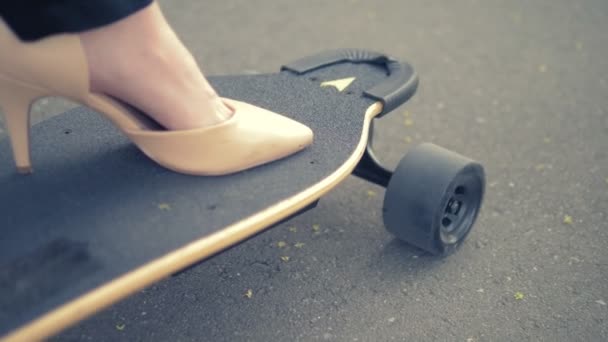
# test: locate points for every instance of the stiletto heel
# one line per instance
(16, 101)
(57, 66)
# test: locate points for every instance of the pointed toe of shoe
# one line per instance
(252, 137)
(277, 134)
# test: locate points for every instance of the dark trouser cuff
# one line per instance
(35, 19)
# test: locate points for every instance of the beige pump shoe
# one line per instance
(57, 66)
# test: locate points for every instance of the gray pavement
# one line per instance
(520, 86)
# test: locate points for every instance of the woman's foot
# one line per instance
(141, 61)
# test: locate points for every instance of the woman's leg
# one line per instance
(141, 61)
(133, 55)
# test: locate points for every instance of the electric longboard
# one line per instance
(98, 221)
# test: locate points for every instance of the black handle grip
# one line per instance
(400, 85)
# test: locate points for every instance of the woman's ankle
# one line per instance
(141, 61)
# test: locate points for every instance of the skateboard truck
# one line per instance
(369, 167)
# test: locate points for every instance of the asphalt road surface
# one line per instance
(520, 86)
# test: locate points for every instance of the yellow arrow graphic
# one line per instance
(340, 84)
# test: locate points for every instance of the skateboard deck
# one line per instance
(98, 221)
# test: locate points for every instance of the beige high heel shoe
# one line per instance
(57, 66)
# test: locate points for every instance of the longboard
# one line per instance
(98, 221)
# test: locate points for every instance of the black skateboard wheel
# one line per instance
(433, 198)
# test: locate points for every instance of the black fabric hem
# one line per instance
(36, 19)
